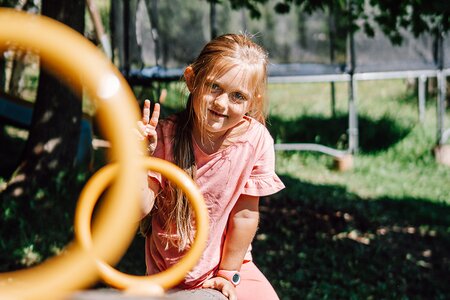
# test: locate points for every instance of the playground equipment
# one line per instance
(69, 55)
(167, 278)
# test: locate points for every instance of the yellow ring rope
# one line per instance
(170, 277)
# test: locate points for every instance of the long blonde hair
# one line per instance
(217, 57)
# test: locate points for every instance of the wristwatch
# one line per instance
(232, 276)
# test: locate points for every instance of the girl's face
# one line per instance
(224, 103)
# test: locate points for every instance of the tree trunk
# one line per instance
(55, 129)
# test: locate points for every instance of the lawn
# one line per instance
(378, 231)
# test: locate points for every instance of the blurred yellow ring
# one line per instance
(170, 277)
(69, 55)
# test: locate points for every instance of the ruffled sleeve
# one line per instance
(263, 186)
(263, 181)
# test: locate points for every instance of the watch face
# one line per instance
(236, 278)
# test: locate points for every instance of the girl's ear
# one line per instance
(189, 76)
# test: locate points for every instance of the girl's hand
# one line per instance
(222, 285)
(147, 126)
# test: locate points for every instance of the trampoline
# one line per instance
(416, 58)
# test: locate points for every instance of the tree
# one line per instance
(392, 16)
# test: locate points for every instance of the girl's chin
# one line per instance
(215, 127)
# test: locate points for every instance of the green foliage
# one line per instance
(40, 227)
(251, 5)
(390, 15)
(8, 3)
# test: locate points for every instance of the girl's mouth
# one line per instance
(217, 114)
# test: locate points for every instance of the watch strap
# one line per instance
(232, 276)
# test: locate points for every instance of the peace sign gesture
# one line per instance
(147, 126)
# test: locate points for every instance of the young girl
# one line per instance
(221, 141)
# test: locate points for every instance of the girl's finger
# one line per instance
(150, 133)
(155, 115)
(229, 292)
(208, 284)
(146, 112)
(141, 127)
(211, 283)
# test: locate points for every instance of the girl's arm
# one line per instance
(149, 190)
(146, 131)
(242, 226)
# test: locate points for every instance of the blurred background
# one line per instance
(361, 85)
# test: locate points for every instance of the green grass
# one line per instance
(378, 231)
(395, 156)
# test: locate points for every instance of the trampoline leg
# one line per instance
(442, 89)
(353, 133)
(422, 97)
(441, 151)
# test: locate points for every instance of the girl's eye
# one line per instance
(215, 87)
(238, 97)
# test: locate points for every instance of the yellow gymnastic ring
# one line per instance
(170, 277)
(69, 55)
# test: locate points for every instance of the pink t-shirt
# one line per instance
(245, 167)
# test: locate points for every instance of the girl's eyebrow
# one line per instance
(210, 81)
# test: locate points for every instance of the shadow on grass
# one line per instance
(332, 132)
(321, 242)
(314, 242)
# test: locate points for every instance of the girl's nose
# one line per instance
(221, 100)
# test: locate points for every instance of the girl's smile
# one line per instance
(216, 114)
